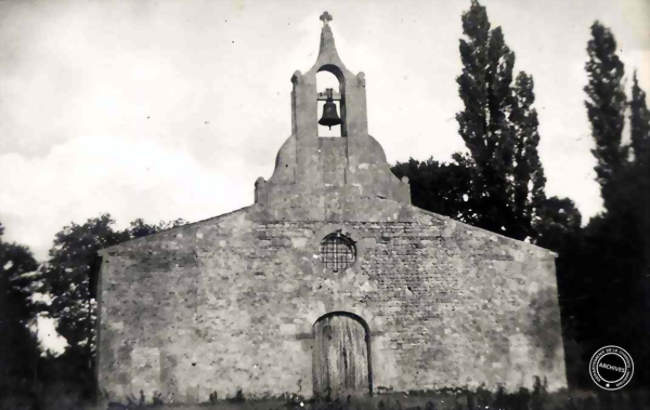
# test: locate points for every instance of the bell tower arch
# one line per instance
(330, 86)
(352, 91)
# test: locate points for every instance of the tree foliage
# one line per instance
(639, 173)
(529, 180)
(18, 346)
(500, 184)
(499, 128)
(71, 276)
(139, 228)
(614, 257)
(639, 124)
(606, 103)
(440, 187)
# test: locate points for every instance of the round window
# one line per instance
(337, 251)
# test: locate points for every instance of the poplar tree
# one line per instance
(639, 123)
(606, 104)
(499, 128)
(529, 180)
(484, 87)
(640, 196)
(617, 241)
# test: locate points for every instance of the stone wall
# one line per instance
(229, 303)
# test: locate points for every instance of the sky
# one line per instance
(168, 109)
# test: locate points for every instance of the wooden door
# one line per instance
(340, 357)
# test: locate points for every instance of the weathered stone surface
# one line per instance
(230, 303)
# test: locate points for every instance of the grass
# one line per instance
(443, 399)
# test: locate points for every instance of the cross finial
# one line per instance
(325, 17)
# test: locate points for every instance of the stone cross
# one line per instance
(325, 17)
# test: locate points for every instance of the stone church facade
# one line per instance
(331, 283)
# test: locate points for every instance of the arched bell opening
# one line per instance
(330, 95)
(341, 356)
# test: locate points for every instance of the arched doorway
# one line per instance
(341, 356)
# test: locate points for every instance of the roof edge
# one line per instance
(102, 252)
(532, 245)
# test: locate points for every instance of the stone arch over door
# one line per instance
(341, 355)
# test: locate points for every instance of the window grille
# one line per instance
(337, 251)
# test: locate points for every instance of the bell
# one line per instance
(330, 116)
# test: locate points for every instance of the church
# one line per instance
(331, 283)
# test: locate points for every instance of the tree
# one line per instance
(639, 123)
(138, 228)
(499, 127)
(484, 87)
(559, 223)
(640, 167)
(71, 277)
(529, 180)
(440, 187)
(606, 104)
(616, 242)
(18, 346)
(629, 218)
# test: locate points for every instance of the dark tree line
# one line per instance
(616, 242)
(603, 268)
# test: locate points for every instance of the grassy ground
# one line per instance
(445, 399)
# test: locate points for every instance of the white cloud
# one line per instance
(125, 176)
